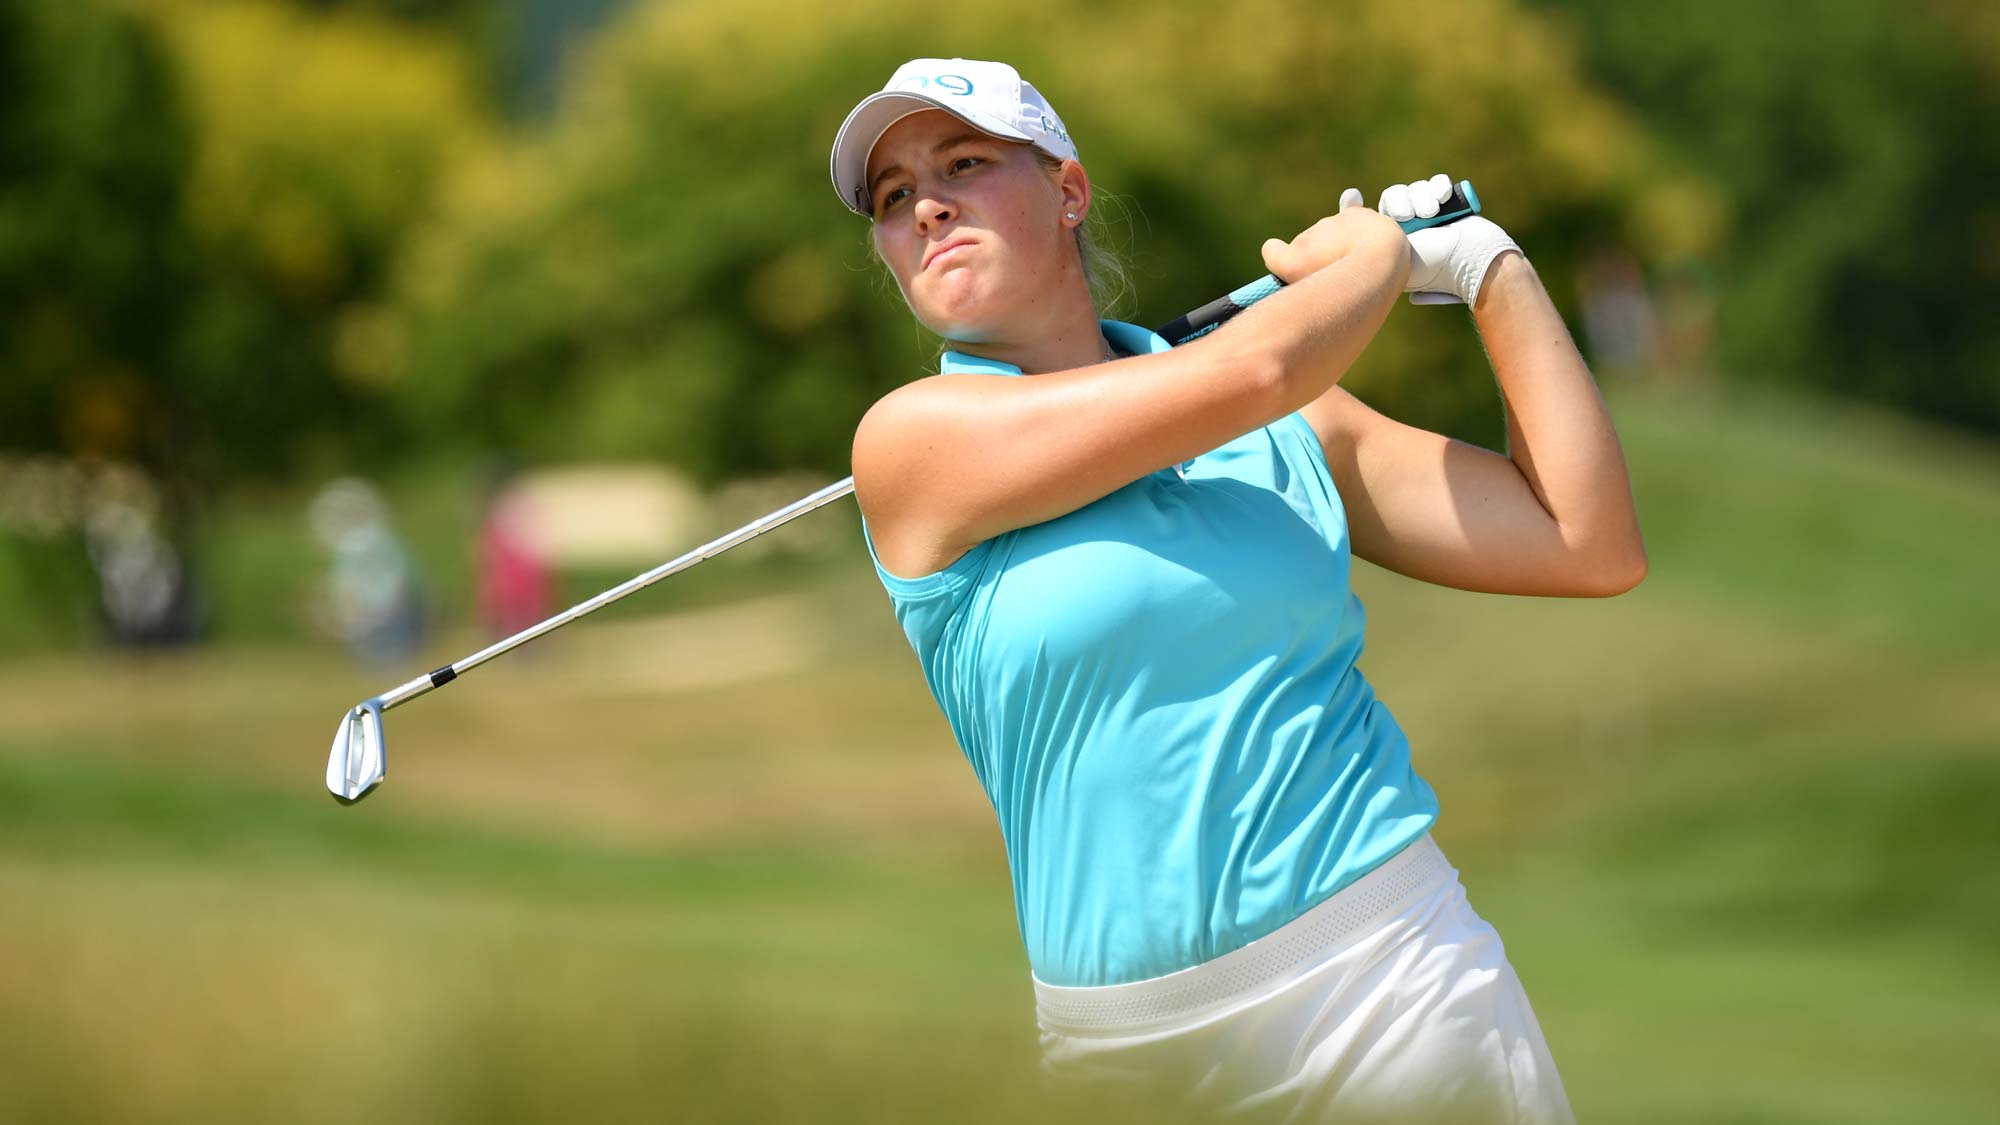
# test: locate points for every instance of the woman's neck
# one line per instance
(1058, 335)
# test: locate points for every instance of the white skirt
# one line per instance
(1390, 1000)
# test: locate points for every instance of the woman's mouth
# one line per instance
(945, 249)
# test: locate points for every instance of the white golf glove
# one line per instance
(1447, 263)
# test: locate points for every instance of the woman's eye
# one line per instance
(897, 194)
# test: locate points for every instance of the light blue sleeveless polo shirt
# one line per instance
(1158, 694)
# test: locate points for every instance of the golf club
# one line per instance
(357, 763)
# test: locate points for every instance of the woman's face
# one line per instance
(972, 226)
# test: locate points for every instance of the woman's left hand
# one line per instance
(1449, 262)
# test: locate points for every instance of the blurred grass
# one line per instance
(723, 864)
(1830, 514)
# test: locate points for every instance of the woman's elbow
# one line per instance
(1612, 575)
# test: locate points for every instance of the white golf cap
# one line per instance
(989, 96)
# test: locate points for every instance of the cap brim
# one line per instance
(872, 118)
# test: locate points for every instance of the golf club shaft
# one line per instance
(1180, 330)
(713, 547)
(1210, 315)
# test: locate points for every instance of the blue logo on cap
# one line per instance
(952, 83)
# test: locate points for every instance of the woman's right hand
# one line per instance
(1328, 240)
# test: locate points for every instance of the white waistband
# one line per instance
(1275, 959)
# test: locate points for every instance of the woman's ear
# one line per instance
(1074, 183)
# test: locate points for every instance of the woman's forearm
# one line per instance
(1309, 333)
(1559, 432)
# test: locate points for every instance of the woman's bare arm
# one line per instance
(945, 462)
(1553, 516)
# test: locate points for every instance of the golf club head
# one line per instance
(356, 765)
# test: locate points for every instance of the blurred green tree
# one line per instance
(664, 272)
(198, 203)
(318, 137)
(1855, 139)
(95, 263)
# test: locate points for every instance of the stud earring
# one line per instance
(1070, 215)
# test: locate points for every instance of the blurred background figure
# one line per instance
(515, 587)
(146, 594)
(370, 598)
(1619, 329)
(1686, 308)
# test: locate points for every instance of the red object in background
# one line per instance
(514, 583)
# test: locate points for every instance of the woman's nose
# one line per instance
(932, 211)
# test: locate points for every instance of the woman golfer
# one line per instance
(1124, 569)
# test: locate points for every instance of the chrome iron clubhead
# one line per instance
(356, 765)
